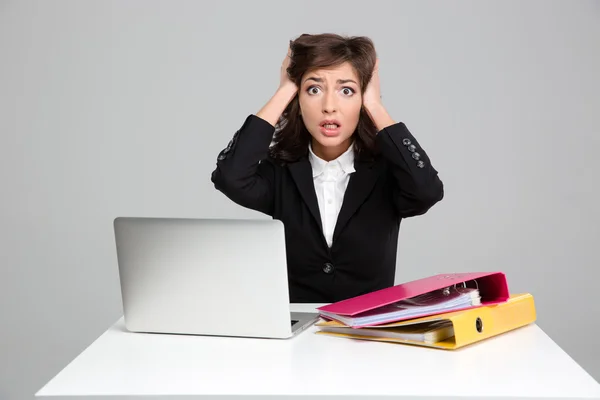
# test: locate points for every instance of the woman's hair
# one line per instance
(311, 52)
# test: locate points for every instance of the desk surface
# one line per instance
(120, 364)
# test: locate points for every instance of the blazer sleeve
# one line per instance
(416, 185)
(243, 172)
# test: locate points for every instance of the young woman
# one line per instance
(324, 157)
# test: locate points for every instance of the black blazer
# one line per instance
(399, 183)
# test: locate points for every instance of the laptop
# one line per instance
(218, 277)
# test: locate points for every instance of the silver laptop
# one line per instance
(221, 277)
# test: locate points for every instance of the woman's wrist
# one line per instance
(287, 91)
(379, 115)
(277, 104)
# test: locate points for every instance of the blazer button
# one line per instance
(406, 141)
(328, 268)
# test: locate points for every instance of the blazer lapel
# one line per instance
(302, 173)
(359, 186)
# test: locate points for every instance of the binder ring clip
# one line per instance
(457, 289)
(465, 286)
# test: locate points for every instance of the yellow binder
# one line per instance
(456, 329)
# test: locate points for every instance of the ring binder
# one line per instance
(427, 296)
(432, 331)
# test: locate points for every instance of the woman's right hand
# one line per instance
(286, 92)
(285, 81)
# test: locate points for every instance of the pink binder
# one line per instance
(492, 286)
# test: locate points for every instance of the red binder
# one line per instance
(492, 288)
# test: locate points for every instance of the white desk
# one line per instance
(524, 363)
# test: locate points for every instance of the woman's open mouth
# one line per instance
(330, 128)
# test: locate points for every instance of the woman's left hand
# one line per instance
(373, 104)
(372, 95)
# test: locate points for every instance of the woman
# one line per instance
(324, 157)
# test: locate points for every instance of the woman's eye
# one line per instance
(346, 91)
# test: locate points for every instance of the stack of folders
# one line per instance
(447, 311)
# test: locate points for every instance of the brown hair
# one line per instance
(311, 52)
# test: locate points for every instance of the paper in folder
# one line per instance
(447, 331)
(427, 296)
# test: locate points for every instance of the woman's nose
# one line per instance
(329, 103)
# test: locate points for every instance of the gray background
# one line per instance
(114, 108)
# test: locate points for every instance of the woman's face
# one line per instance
(330, 103)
